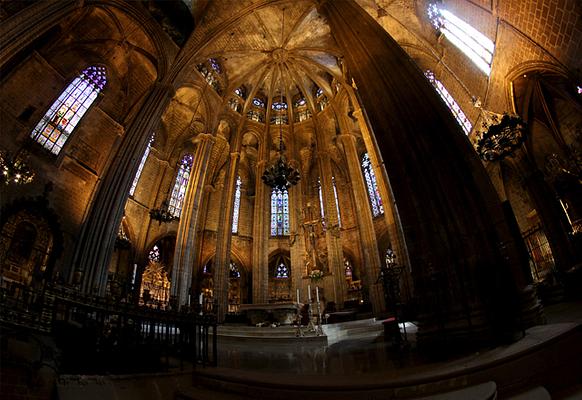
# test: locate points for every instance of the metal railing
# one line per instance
(99, 335)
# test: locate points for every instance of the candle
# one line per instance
(188, 299)
(200, 298)
(298, 296)
(134, 272)
(317, 293)
(309, 292)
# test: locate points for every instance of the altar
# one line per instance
(282, 313)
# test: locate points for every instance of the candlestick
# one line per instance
(188, 299)
(309, 292)
(200, 298)
(317, 293)
(134, 272)
(298, 296)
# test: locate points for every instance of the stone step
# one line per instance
(536, 393)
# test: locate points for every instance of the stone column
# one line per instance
(466, 266)
(95, 245)
(261, 237)
(224, 237)
(369, 243)
(30, 23)
(395, 233)
(185, 239)
(335, 257)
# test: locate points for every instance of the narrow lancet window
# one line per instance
(478, 47)
(339, 219)
(236, 207)
(180, 186)
(279, 212)
(141, 165)
(372, 185)
(451, 103)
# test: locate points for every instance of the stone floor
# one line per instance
(372, 355)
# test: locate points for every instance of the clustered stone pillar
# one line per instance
(466, 266)
(186, 238)
(95, 246)
(390, 208)
(332, 236)
(371, 258)
(224, 238)
(261, 237)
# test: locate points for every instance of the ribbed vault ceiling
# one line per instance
(284, 46)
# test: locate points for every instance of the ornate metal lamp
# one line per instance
(162, 214)
(500, 137)
(14, 169)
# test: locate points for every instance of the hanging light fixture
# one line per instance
(500, 136)
(14, 170)
(162, 214)
(280, 174)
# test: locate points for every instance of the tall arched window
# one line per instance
(234, 272)
(140, 168)
(321, 207)
(450, 101)
(236, 207)
(339, 219)
(58, 123)
(373, 192)
(180, 185)
(279, 212)
(478, 47)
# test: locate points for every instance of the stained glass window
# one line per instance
(318, 92)
(58, 123)
(373, 192)
(451, 103)
(282, 271)
(469, 40)
(258, 102)
(214, 64)
(339, 219)
(300, 102)
(180, 186)
(279, 212)
(141, 165)
(236, 207)
(279, 105)
(240, 92)
(154, 254)
(321, 207)
(234, 271)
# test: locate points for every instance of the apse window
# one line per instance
(282, 271)
(279, 212)
(470, 41)
(60, 120)
(141, 165)
(180, 186)
(372, 185)
(451, 103)
(236, 208)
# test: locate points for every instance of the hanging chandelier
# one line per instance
(162, 214)
(500, 137)
(14, 169)
(281, 175)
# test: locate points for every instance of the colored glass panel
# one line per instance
(60, 120)
(450, 102)
(236, 207)
(371, 184)
(141, 165)
(180, 186)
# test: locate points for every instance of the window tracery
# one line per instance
(282, 271)
(180, 186)
(478, 47)
(141, 165)
(450, 102)
(279, 212)
(236, 207)
(60, 120)
(372, 185)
